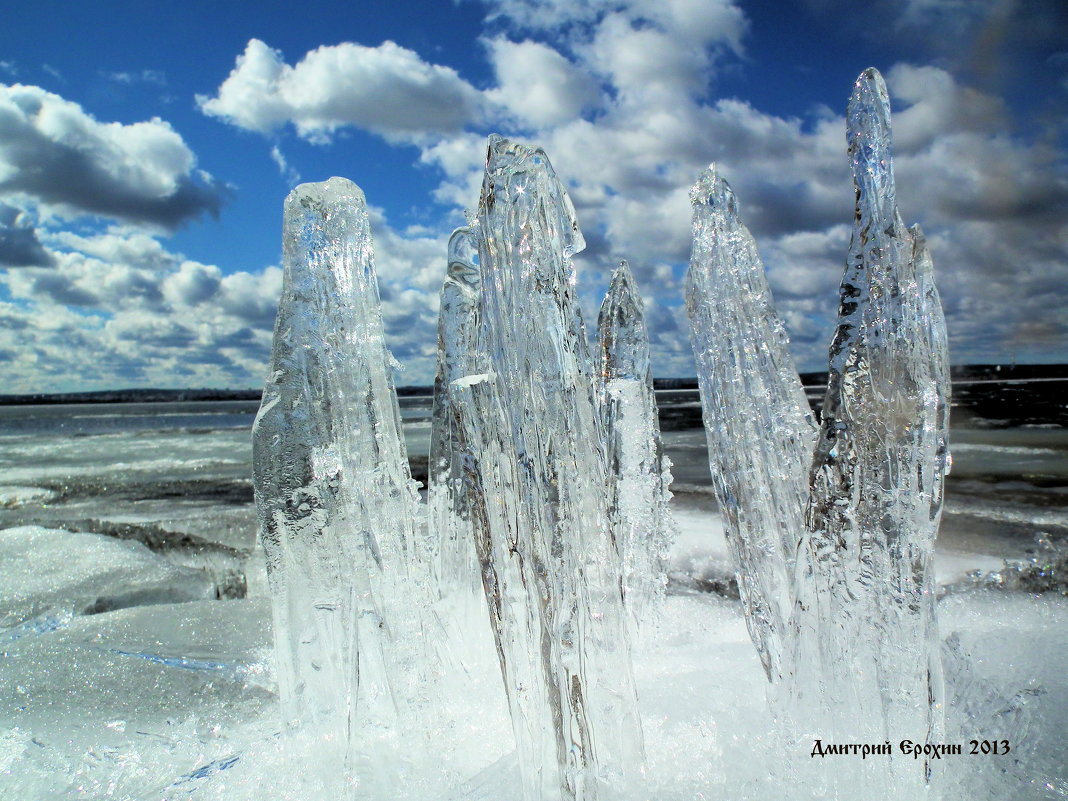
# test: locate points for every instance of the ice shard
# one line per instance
(638, 469)
(867, 582)
(459, 355)
(334, 495)
(758, 423)
(533, 453)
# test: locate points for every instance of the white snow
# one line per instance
(52, 571)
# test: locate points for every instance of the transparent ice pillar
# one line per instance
(759, 426)
(638, 469)
(867, 583)
(335, 498)
(534, 455)
(834, 534)
(459, 355)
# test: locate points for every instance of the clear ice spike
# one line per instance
(533, 453)
(759, 426)
(334, 496)
(878, 469)
(638, 469)
(459, 355)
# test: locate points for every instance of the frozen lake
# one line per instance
(135, 633)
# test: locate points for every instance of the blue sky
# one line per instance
(146, 149)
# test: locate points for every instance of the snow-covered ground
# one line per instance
(118, 681)
(123, 676)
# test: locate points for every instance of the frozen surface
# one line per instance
(534, 457)
(638, 469)
(127, 703)
(50, 575)
(17, 496)
(335, 497)
(1004, 656)
(176, 701)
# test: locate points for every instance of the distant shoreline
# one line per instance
(963, 373)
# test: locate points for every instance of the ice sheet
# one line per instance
(62, 573)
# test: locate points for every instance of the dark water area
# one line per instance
(82, 420)
(983, 402)
(193, 417)
(1002, 431)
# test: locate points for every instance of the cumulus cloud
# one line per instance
(710, 22)
(623, 95)
(120, 309)
(19, 245)
(648, 66)
(536, 84)
(56, 155)
(387, 89)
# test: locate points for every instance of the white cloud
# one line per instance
(387, 89)
(622, 96)
(648, 66)
(157, 77)
(120, 309)
(289, 173)
(191, 284)
(19, 243)
(536, 84)
(957, 161)
(937, 106)
(709, 22)
(953, 16)
(705, 22)
(56, 156)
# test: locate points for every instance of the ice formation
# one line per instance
(334, 495)
(534, 459)
(834, 542)
(44, 588)
(758, 423)
(866, 581)
(118, 678)
(638, 469)
(459, 355)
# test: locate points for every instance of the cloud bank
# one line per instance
(625, 97)
(59, 158)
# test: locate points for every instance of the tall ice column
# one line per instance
(877, 474)
(335, 498)
(459, 355)
(759, 426)
(638, 469)
(534, 452)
